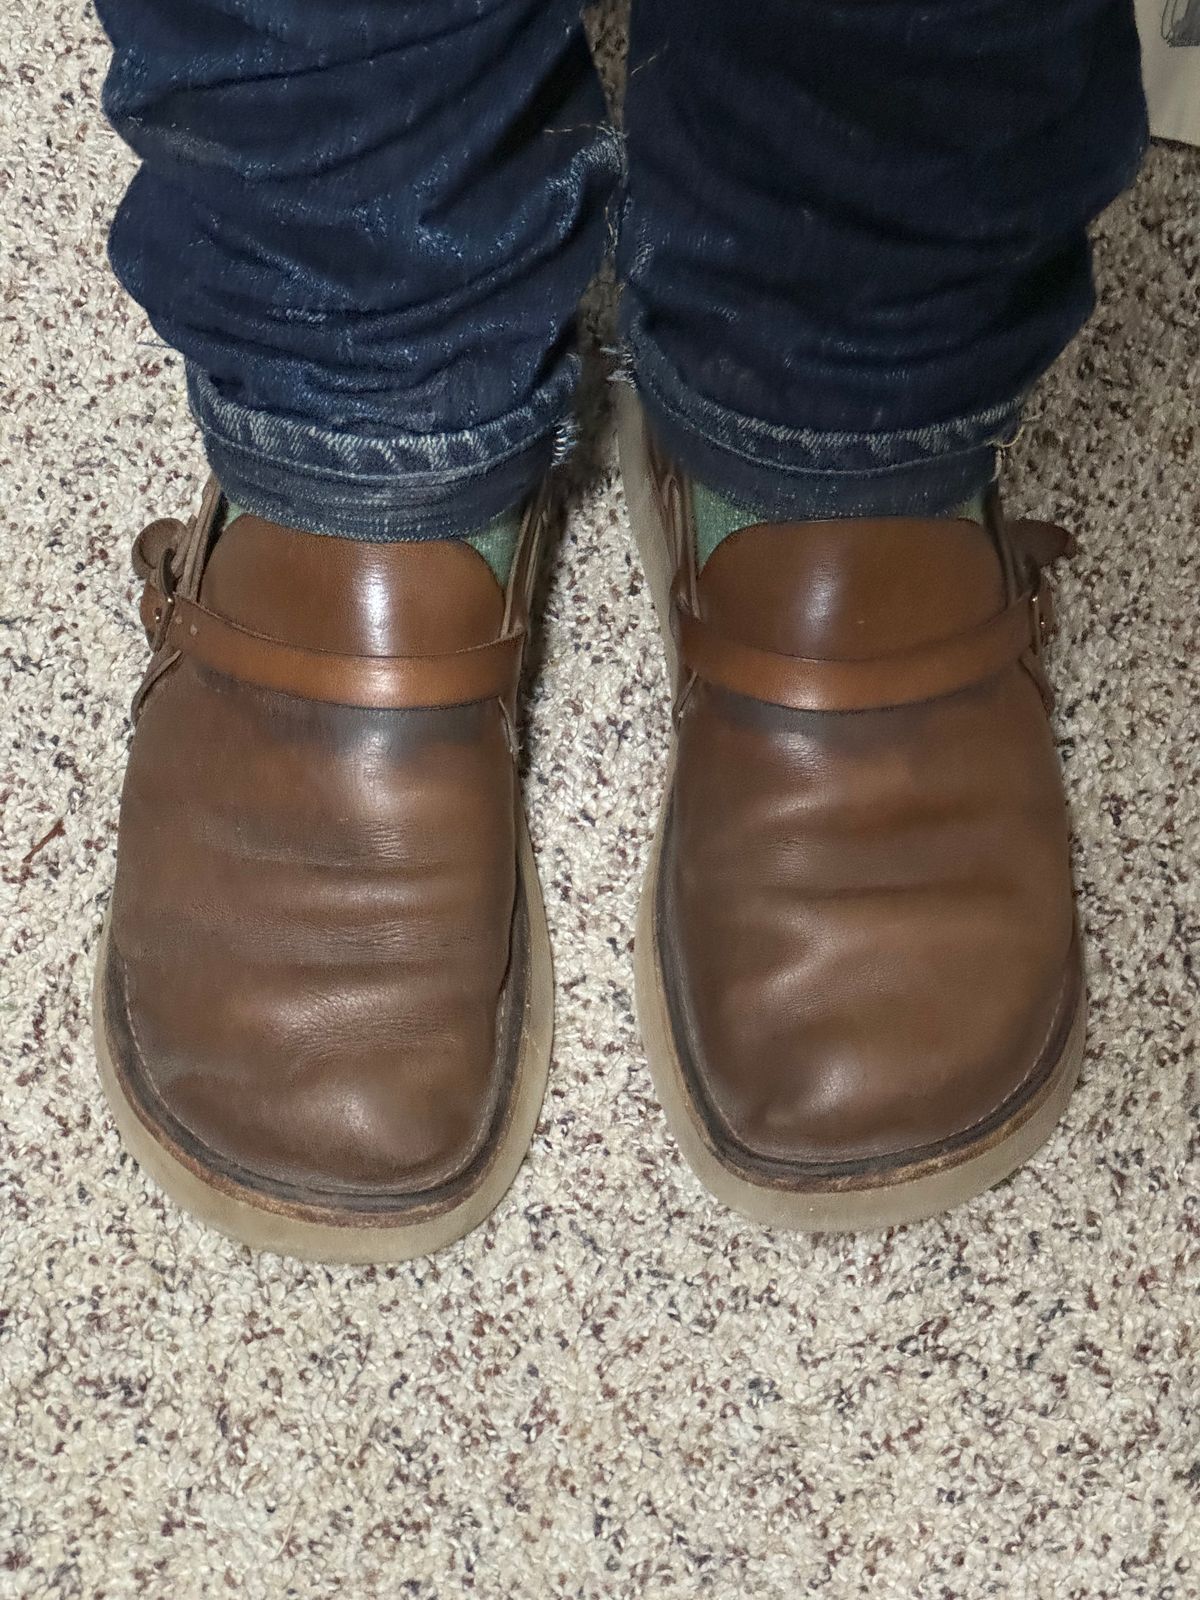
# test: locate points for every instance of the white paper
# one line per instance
(1170, 31)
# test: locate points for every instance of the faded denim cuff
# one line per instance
(382, 487)
(799, 474)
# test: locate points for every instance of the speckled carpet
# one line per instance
(614, 1389)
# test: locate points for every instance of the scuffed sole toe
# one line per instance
(267, 1222)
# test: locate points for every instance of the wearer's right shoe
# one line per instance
(323, 997)
(859, 977)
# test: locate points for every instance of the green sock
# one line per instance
(496, 543)
(716, 517)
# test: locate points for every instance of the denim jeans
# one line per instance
(852, 235)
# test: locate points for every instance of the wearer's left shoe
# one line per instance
(859, 977)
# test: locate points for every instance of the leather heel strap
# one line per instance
(459, 677)
(904, 678)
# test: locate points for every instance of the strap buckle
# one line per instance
(164, 610)
(1041, 609)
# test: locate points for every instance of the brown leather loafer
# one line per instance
(859, 977)
(323, 999)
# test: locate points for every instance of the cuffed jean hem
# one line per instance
(381, 487)
(799, 474)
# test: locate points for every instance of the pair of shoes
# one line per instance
(324, 993)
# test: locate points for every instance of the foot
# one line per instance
(324, 992)
(859, 973)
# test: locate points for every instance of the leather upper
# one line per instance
(865, 909)
(316, 948)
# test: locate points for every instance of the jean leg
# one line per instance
(855, 232)
(366, 225)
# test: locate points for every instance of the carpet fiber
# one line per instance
(614, 1389)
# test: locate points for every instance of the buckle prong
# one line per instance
(164, 582)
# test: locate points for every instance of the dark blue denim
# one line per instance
(853, 234)
(366, 225)
(856, 232)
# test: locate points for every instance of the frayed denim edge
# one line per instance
(801, 474)
(382, 487)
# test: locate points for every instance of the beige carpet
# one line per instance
(614, 1389)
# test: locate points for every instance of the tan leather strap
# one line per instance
(377, 682)
(1041, 543)
(808, 684)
